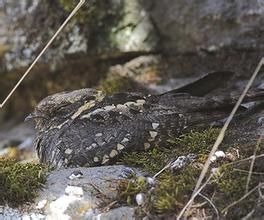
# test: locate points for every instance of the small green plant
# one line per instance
(116, 83)
(195, 142)
(20, 182)
(174, 188)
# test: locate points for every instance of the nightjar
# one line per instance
(88, 128)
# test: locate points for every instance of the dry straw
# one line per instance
(74, 11)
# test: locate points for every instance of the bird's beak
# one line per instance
(33, 115)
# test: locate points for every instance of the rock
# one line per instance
(101, 34)
(80, 197)
(209, 35)
(21, 135)
(208, 25)
(63, 198)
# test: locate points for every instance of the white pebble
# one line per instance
(41, 204)
(140, 199)
(150, 181)
(213, 159)
(220, 154)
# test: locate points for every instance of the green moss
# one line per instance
(174, 188)
(116, 83)
(196, 142)
(20, 182)
(127, 189)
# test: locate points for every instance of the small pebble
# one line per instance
(260, 121)
(140, 199)
(218, 155)
(41, 204)
(127, 173)
(77, 174)
(151, 181)
(213, 159)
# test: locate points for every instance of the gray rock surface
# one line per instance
(67, 196)
(112, 28)
(187, 27)
(209, 35)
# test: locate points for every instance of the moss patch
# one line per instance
(195, 142)
(116, 83)
(20, 182)
(174, 188)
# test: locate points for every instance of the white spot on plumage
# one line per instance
(125, 140)
(153, 134)
(113, 153)
(96, 159)
(141, 101)
(68, 151)
(129, 103)
(92, 113)
(105, 159)
(155, 125)
(84, 107)
(109, 107)
(60, 126)
(120, 147)
(146, 146)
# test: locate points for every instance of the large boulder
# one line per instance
(207, 35)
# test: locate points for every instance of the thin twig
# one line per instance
(243, 160)
(74, 11)
(252, 163)
(223, 130)
(220, 139)
(162, 170)
(247, 171)
(193, 197)
(242, 198)
(211, 203)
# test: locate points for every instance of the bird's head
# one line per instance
(56, 108)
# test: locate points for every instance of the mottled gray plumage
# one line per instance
(87, 128)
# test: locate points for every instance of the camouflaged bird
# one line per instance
(88, 128)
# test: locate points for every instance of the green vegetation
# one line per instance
(20, 182)
(174, 188)
(195, 142)
(116, 83)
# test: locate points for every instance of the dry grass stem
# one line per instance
(252, 163)
(223, 130)
(212, 204)
(219, 140)
(74, 11)
(242, 198)
(186, 207)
